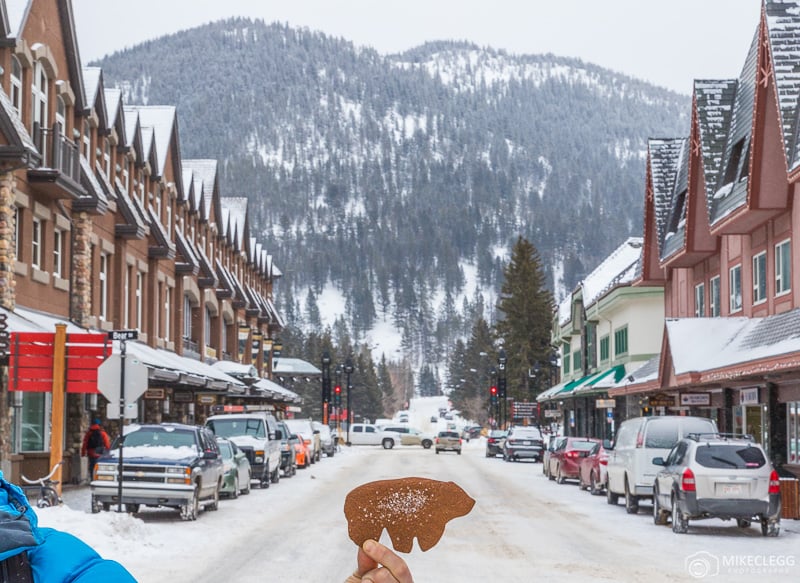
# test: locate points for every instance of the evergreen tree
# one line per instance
(526, 306)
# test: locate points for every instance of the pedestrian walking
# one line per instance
(95, 443)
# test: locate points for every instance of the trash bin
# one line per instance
(790, 498)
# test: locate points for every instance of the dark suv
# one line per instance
(169, 464)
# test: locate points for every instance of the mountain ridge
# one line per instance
(386, 175)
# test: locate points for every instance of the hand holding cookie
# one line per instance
(379, 564)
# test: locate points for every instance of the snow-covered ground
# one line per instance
(523, 527)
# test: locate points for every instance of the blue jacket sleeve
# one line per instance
(64, 558)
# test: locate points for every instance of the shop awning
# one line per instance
(293, 367)
(562, 390)
(276, 391)
(601, 381)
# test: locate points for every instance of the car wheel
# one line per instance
(306, 461)
(331, 452)
(631, 501)
(276, 476)
(437, 452)
(770, 527)
(246, 489)
(215, 502)
(559, 476)
(459, 452)
(388, 443)
(235, 493)
(96, 506)
(742, 523)
(594, 490)
(659, 516)
(488, 454)
(611, 498)
(190, 510)
(427, 445)
(546, 469)
(581, 484)
(265, 478)
(680, 524)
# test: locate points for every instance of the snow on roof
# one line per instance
(91, 81)
(162, 119)
(113, 100)
(148, 143)
(188, 178)
(206, 172)
(618, 268)
(17, 13)
(705, 344)
(237, 207)
(131, 121)
(613, 270)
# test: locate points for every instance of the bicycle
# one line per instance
(48, 495)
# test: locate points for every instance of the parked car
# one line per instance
(325, 438)
(434, 419)
(410, 435)
(565, 459)
(368, 434)
(288, 456)
(553, 441)
(305, 429)
(470, 431)
(254, 433)
(168, 464)
(235, 467)
(523, 442)
(593, 470)
(631, 472)
(716, 476)
(494, 442)
(302, 455)
(448, 441)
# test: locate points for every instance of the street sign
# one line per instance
(108, 378)
(605, 403)
(123, 334)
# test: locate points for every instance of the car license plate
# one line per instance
(731, 489)
(526, 443)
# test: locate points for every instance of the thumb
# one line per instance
(365, 562)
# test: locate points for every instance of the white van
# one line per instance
(254, 433)
(631, 472)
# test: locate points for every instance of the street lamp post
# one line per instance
(501, 385)
(326, 386)
(348, 370)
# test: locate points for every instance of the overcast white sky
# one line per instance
(667, 42)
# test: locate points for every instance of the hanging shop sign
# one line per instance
(748, 396)
(661, 400)
(605, 403)
(182, 397)
(206, 399)
(155, 393)
(696, 399)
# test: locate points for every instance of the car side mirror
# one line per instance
(607, 444)
(278, 434)
(659, 461)
(210, 455)
(316, 432)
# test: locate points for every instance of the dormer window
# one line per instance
(732, 171)
(16, 84)
(39, 89)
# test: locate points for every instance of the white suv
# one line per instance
(631, 471)
(717, 476)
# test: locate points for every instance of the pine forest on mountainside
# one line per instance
(394, 178)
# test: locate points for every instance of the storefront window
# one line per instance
(32, 430)
(793, 431)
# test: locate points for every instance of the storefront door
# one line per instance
(751, 419)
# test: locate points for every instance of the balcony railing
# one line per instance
(58, 153)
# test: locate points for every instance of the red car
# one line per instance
(565, 458)
(593, 470)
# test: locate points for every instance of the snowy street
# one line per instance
(522, 526)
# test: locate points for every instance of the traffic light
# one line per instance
(337, 395)
(493, 393)
(501, 387)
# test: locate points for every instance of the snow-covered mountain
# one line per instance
(390, 188)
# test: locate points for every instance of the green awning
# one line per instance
(601, 381)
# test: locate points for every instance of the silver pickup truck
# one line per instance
(368, 434)
(168, 464)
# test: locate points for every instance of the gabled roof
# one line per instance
(714, 101)
(205, 171)
(617, 269)
(132, 125)
(187, 191)
(237, 214)
(17, 11)
(733, 195)
(162, 120)
(664, 164)
(91, 81)
(783, 30)
(113, 99)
